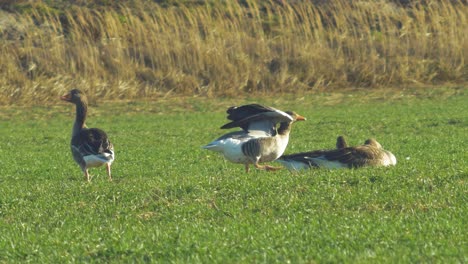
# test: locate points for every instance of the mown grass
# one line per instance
(213, 48)
(171, 201)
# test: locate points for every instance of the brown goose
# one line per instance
(369, 154)
(260, 140)
(90, 146)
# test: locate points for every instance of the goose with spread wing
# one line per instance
(369, 154)
(260, 140)
(90, 147)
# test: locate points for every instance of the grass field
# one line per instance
(172, 201)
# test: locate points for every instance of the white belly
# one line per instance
(389, 159)
(324, 163)
(98, 160)
(294, 165)
(230, 148)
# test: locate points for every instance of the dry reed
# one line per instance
(227, 48)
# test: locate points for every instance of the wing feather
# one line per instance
(92, 141)
(256, 117)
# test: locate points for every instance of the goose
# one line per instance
(90, 147)
(259, 140)
(369, 154)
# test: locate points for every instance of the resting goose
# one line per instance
(260, 140)
(369, 154)
(90, 146)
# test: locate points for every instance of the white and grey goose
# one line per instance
(260, 140)
(369, 154)
(90, 147)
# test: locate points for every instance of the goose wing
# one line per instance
(240, 112)
(92, 141)
(350, 156)
(304, 157)
(255, 117)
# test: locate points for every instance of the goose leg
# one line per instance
(271, 168)
(258, 166)
(86, 174)
(109, 171)
(266, 167)
(247, 169)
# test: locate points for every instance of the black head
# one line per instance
(341, 142)
(74, 96)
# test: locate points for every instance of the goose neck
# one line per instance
(81, 112)
(284, 128)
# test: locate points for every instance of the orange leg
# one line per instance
(86, 174)
(109, 171)
(266, 167)
(271, 168)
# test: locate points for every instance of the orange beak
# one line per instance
(66, 97)
(300, 118)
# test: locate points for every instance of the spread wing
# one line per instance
(240, 112)
(255, 117)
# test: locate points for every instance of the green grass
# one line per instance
(172, 201)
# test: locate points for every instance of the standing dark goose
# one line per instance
(90, 147)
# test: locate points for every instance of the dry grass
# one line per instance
(227, 48)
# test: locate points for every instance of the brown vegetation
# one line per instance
(227, 48)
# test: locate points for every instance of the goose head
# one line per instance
(285, 126)
(79, 99)
(372, 142)
(341, 142)
(295, 116)
(75, 96)
(388, 157)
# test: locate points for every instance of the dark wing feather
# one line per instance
(242, 116)
(256, 117)
(353, 156)
(236, 113)
(92, 141)
(304, 157)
